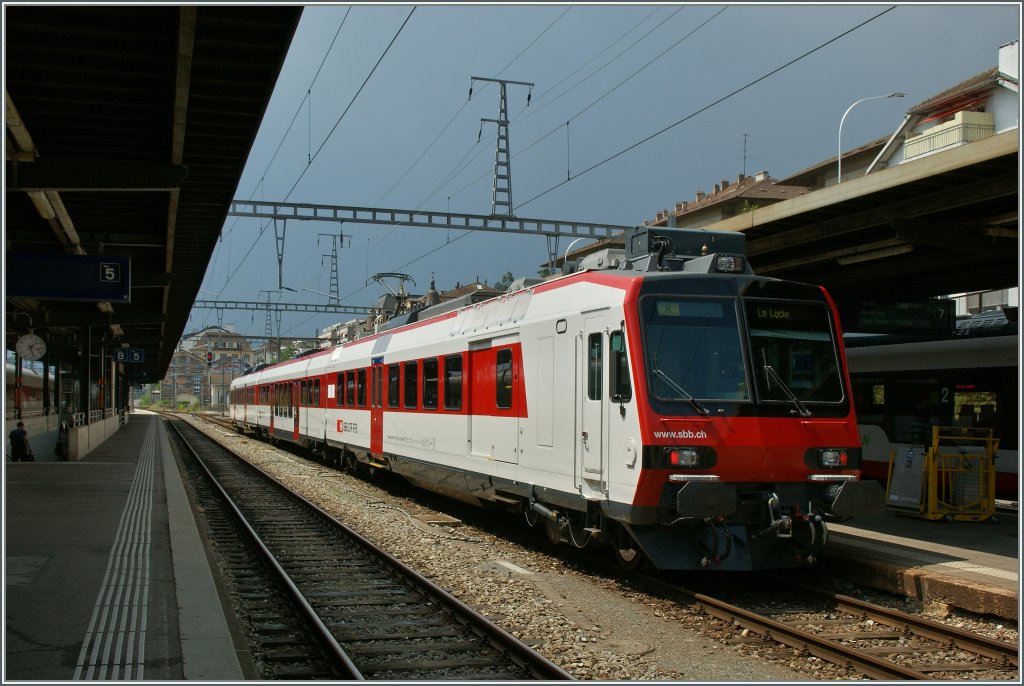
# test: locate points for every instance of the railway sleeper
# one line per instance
(406, 646)
(433, 632)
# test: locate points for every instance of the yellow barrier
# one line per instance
(957, 477)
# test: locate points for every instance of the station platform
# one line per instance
(105, 574)
(968, 565)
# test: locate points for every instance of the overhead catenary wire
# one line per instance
(706, 107)
(327, 137)
(666, 128)
(298, 110)
(446, 179)
(459, 111)
(690, 116)
(459, 166)
(611, 90)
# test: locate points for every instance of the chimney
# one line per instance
(700, 195)
(718, 189)
(761, 176)
(725, 184)
(680, 206)
(1009, 55)
(740, 177)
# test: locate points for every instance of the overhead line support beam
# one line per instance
(280, 307)
(422, 219)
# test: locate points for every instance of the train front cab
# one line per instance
(750, 443)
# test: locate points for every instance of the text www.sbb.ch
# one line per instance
(688, 435)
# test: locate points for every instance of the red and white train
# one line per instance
(671, 404)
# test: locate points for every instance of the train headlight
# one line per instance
(833, 457)
(682, 457)
(728, 264)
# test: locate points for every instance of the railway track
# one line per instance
(374, 618)
(874, 641)
(870, 640)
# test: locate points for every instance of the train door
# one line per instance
(495, 374)
(377, 406)
(296, 404)
(591, 403)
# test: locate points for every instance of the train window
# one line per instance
(409, 401)
(393, 385)
(316, 393)
(453, 382)
(350, 388)
(430, 384)
(619, 368)
(361, 387)
(341, 389)
(794, 352)
(503, 380)
(595, 359)
(692, 348)
(304, 393)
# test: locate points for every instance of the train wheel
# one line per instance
(628, 558)
(627, 552)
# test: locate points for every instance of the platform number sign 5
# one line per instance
(110, 272)
(134, 355)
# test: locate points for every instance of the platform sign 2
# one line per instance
(83, 278)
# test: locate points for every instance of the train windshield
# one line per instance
(793, 353)
(693, 349)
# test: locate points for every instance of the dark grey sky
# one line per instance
(616, 73)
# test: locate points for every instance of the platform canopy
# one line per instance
(947, 223)
(128, 127)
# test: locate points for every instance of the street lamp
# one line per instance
(839, 170)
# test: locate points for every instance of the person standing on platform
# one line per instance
(21, 451)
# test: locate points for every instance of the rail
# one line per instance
(844, 641)
(338, 572)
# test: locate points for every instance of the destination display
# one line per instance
(925, 316)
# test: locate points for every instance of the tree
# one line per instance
(504, 282)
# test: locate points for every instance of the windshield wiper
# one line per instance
(675, 387)
(770, 373)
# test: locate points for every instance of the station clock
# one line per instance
(31, 347)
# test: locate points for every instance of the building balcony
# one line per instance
(965, 127)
